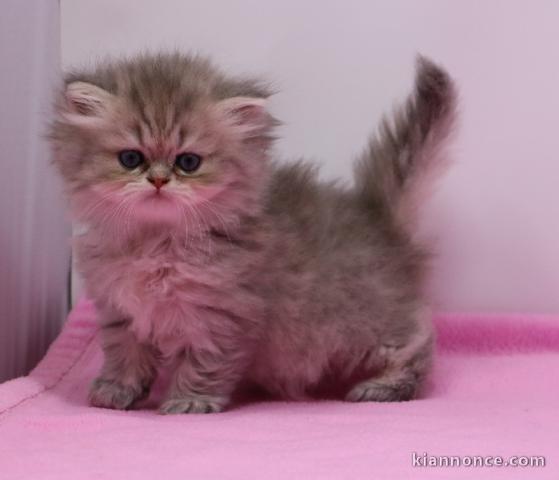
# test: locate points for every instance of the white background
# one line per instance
(340, 64)
(34, 239)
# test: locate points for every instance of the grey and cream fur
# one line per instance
(245, 271)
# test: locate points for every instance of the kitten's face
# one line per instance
(127, 166)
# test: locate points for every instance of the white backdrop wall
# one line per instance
(340, 64)
(34, 247)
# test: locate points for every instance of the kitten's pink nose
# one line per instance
(158, 182)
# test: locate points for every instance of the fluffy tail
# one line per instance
(400, 163)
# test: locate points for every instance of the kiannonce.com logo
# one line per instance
(441, 461)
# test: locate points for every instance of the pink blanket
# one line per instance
(494, 393)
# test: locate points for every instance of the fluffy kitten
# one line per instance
(204, 256)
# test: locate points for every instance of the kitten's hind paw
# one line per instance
(193, 404)
(113, 394)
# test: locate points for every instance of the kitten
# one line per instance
(204, 256)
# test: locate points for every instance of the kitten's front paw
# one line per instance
(113, 394)
(193, 404)
(378, 391)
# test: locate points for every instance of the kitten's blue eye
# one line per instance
(131, 159)
(188, 162)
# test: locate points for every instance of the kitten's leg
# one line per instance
(128, 370)
(206, 377)
(406, 368)
(203, 382)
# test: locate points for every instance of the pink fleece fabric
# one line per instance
(494, 392)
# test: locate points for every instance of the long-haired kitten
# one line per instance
(205, 257)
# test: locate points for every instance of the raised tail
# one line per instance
(399, 165)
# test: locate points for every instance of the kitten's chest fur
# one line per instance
(163, 287)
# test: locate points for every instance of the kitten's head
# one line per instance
(161, 140)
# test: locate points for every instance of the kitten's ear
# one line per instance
(248, 114)
(86, 103)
